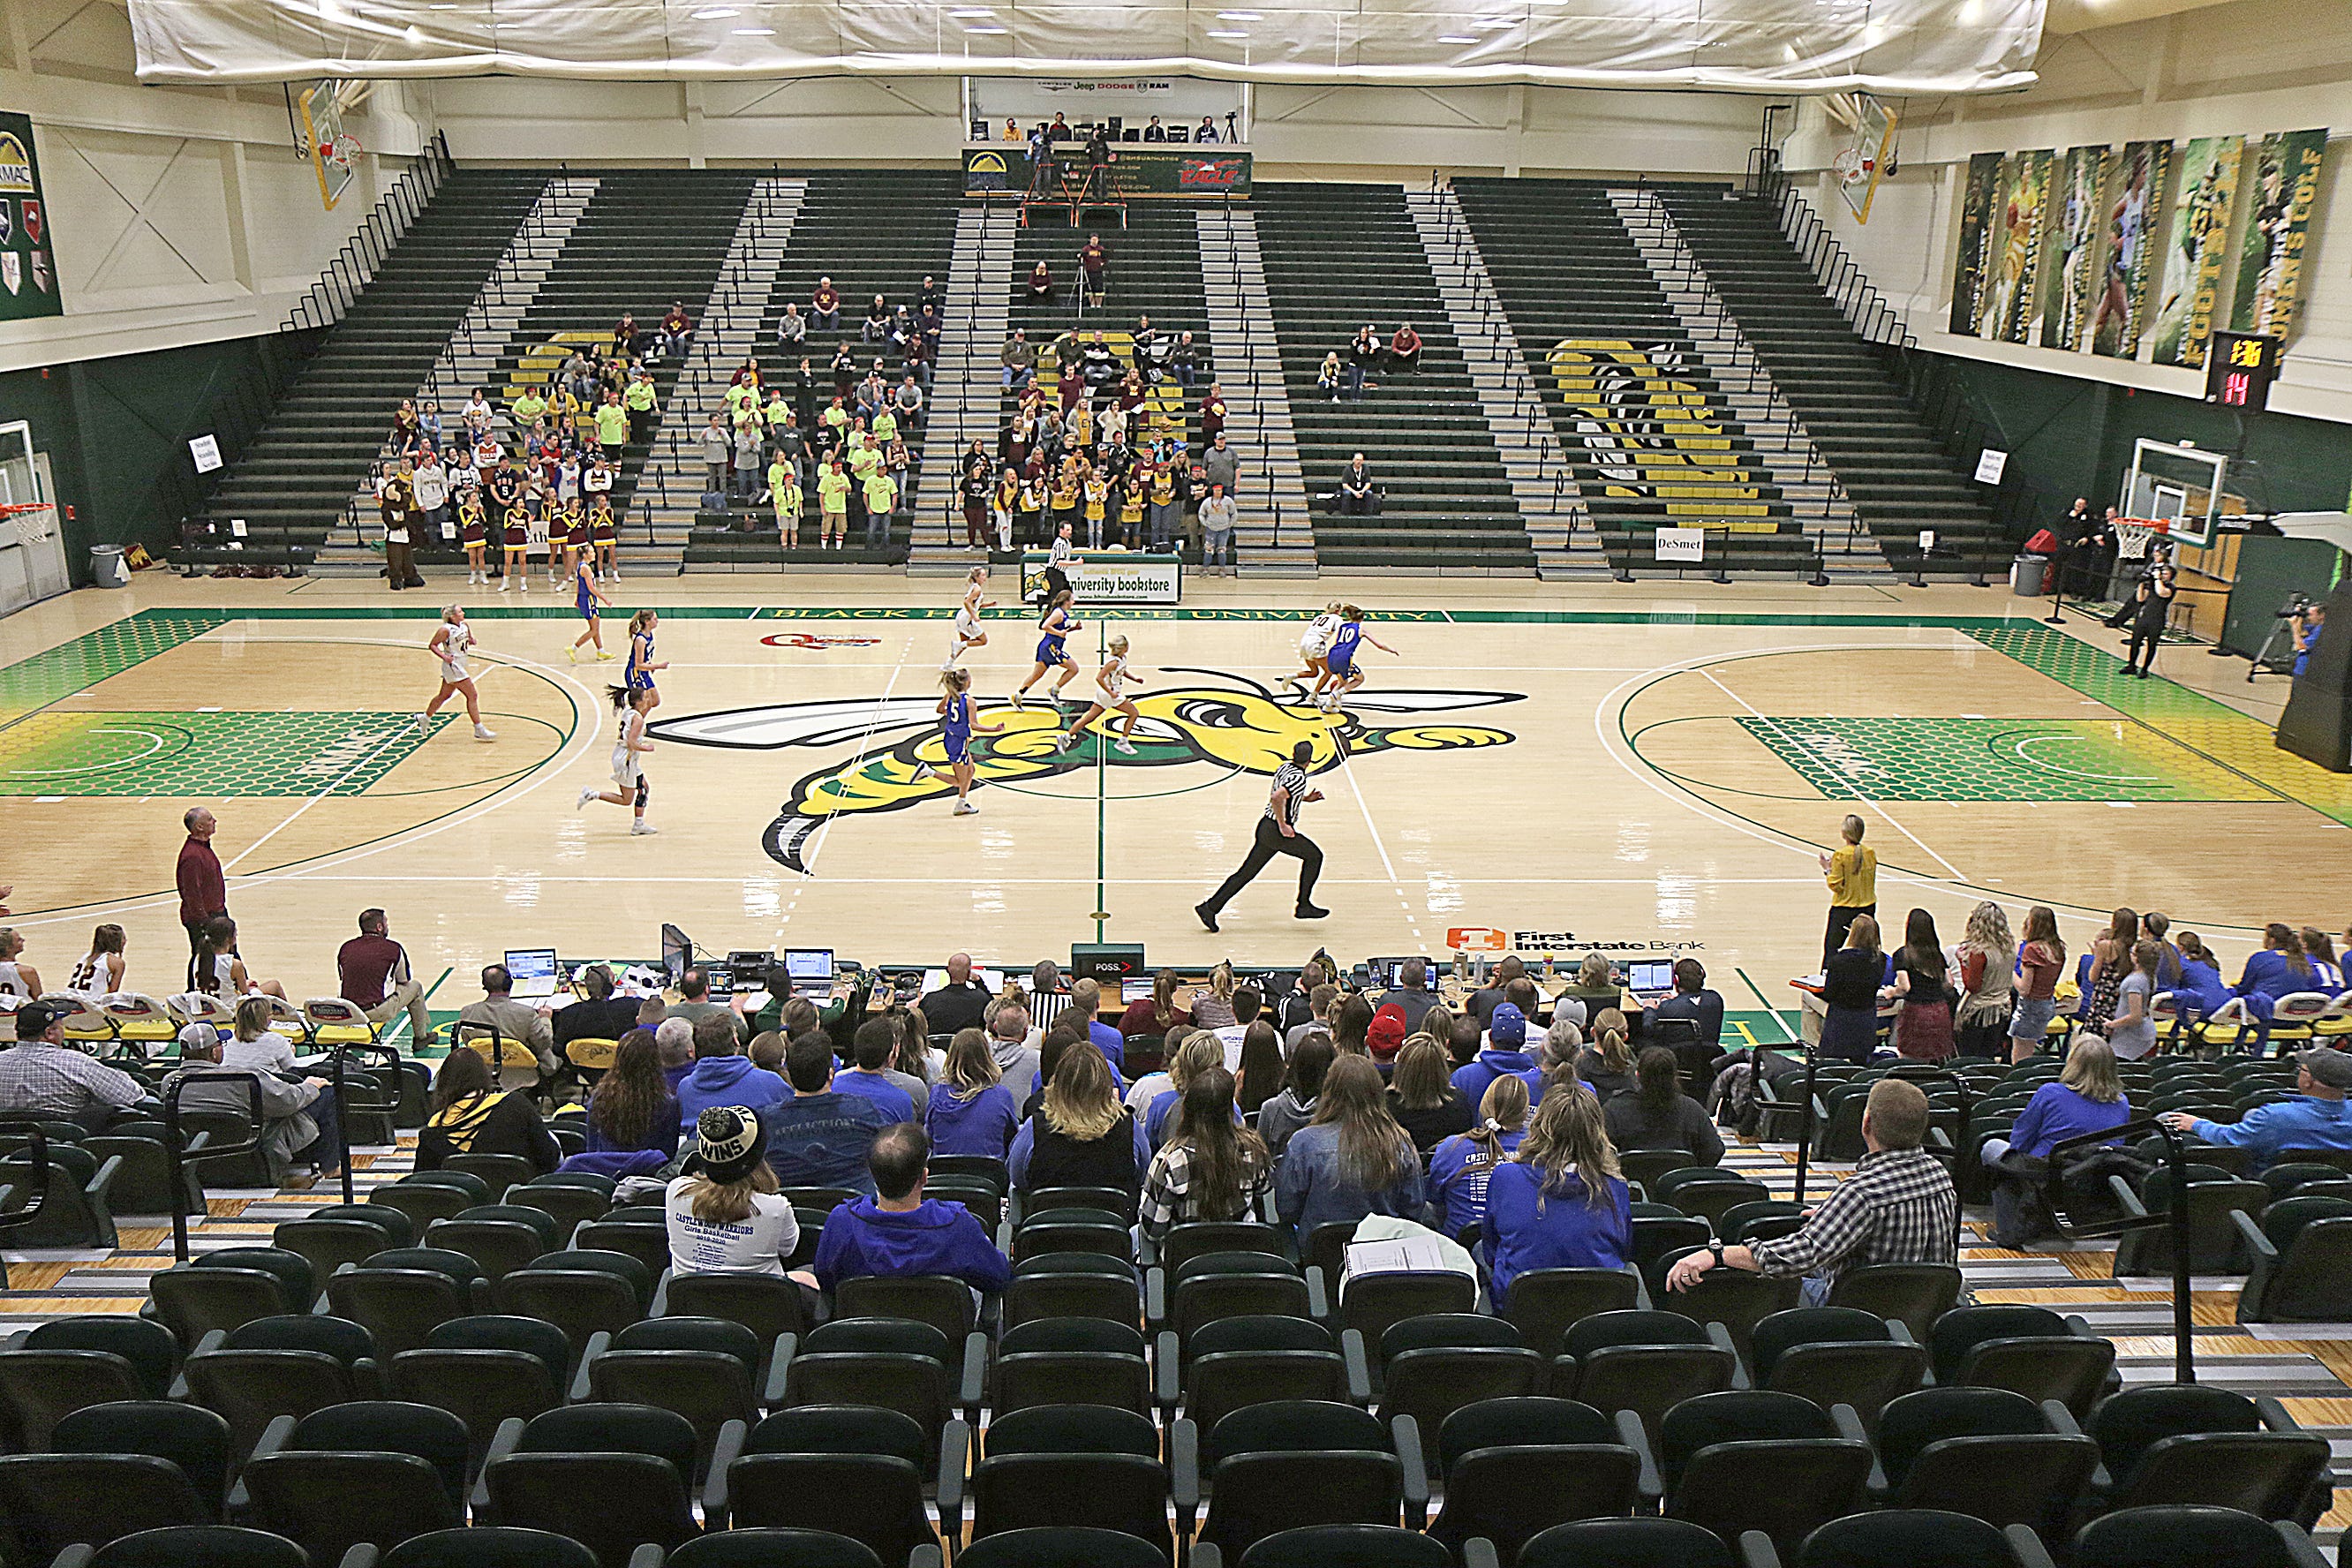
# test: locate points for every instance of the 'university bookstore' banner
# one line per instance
(2194, 246)
(2126, 271)
(1972, 273)
(2076, 232)
(28, 270)
(1109, 577)
(2285, 176)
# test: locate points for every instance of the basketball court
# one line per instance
(1617, 770)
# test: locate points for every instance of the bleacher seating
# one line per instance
(1338, 257)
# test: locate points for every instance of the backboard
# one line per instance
(2181, 485)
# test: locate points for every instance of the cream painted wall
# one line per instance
(2243, 68)
(181, 214)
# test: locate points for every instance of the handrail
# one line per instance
(340, 282)
(175, 1145)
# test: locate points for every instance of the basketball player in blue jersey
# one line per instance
(1055, 627)
(1340, 659)
(638, 674)
(957, 729)
(586, 598)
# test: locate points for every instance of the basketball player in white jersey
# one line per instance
(451, 641)
(629, 747)
(967, 634)
(1313, 643)
(1110, 695)
(17, 978)
(101, 973)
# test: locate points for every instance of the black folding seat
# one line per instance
(612, 1476)
(1755, 1459)
(222, 1289)
(271, 1367)
(766, 1304)
(852, 1471)
(1346, 1546)
(1736, 1299)
(583, 1299)
(68, 1362)
(376, 1471)
(1090, 1467)
(1988, 1453)
(1836, 1355)
(2169, 1443)
(333, 1237)
(887, 1362)
(1190, 1240)
(402, 1302)
(1069, 1360)
(497, 1171)
(2192, 1536)
(1625, 1543)
(1919, 1538)
(1545, 1302)
(114, 1470)
(1430, 1367)
(1912, 1294)
(943, 1302)
(1062, 1549)
(1280, 1466)
(1645, 1362)
(2301, 1253)
(498, 1245)
(1232, 1362)
(773, 1549)
(572, 1203)
(1071, 1285)
(2025, 1349)
(1370, 1304)
(647, 1243)
(702, 1368)
(199, 1546)
(485, 1371)
(1513, 1467)
(489, 1546)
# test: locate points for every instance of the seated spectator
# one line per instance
(221, 972)
(1592, 990)
(1425, 1104)
(1558, 1052)
(673, 1042)
(1041, 284)
(255, 1047)
(2087, 1097)
(1659, 1115)
(1898, 1206)
(2315, 1119)
(1352, 1159)
(694, 1004)
(1693, 1000)
(633, 1108)
(867, 1075)
(296, 1115)
(818, 1138)
(1351, 1027)
(1459, 1167)
(1155, 131)
(1319, 1003)
(1385, 1035)
(914, 1065)
(1482, 1001)
(1607, 1061)
(470, 1114)
(625, 336)
(1404, 349)
(41, 1074)
(1462, 1047)
(1185, 360)
(824, 306)
(877, 322)
(1210, 1168)
(970, 1110)
(372, 974)
(1085, 1003)
(1261, 1077)
(895, 1233)
(767, 1051)
(512, 1020)
(1506, 1035)
(1412, 991)
(1246, 1003)
(959, 1004)
(599, 1015)
(792, 330)
(677, 326)
(1279, 1119)
(1212, 1008)
(1080, 1135)
(1330, 379)
(1207, 130)
(726, 1216)
(1156, 1014)
(1017, 1044)
(1559, 1203)
(1196, 1055)
(723, 1074)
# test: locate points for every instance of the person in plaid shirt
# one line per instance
(1898, 1206)
(1211, 1168)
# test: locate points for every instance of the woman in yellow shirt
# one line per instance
(1097, 493)
(1852, 877)
(1130, 512)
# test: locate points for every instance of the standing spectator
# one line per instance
(612, 428)
(1460, 1167)
(1559, 1203)
(1364, 357)
(1018, 359)
(512, 1020)
(42, 1075)
(1659, 1115)
(1220, 465)
(1280, 1119)
(1853, 876)
(395, 504)
(718, 447)
(1210, 1168)
(881, 499)
(1218, 517)
(894, 1232)
(1922, 1029)
(1850, 989)
(431, 490)
(1352, 1159)
(1988, 955)
(2040, 961)
(637, 404)
(970, 1110)
(372, 974)
(2132, 1035)
(468, 1114)
(1094, 263)
(1213, 418)
(204, 890)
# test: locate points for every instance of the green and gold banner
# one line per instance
(1144, 171)
(1971, 266)
(2074, 274)
(2194, 246)
(2286, 181)
(2128, 266)
(2017, 250)
(28, 267)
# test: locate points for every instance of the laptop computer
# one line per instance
(1650, 974)
(535, 974)
(810, 971)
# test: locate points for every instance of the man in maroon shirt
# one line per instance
(204, 890)
(375, 976)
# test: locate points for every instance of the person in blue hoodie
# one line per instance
(723, 1074)
(1560, 1203)
(970, 1112)
(820, 1137)
(2200, 991)
(870, 1050)
(897, 1233)
(1504, 1055)
(1459, 1167)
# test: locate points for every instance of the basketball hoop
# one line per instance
(1852, 166)
(2134, 535)
(340, 152)
(22, 508)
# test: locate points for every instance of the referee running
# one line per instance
(1277, 834)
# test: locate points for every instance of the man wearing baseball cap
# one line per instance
(2317, 1117)
(1504, 1055)
(41, 1073)
(1386, 1036)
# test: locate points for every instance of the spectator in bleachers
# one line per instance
(818, 1137)
(1404, 349)
(1185, 360)
(2085, 1097)
(1692, 1000)
(1386, 1036)
(1261, 1074)
(1017, 358)
(1319, 1003)
(726, 1216)
(1425, 1104)
(1505, 1054)
(824, 306)
(1559, 1202)
(867, 1075)
(1094, 264)
(722, 1074)
(372, 974)
(1059, 130)
(41, 1074)
(1330, 378)
(1080, 1135)
(633, 1108)
(1659, 1115)
(1221, 464)
(1411, 993)
(1351, 1160)
(1211, 1167)
(674, 1040)
(470, 1114)
(907, 403)
(638, 406)
(1219, 516)
(1201, 1051)
(2041, 959)
(1213, 418)
(1207, 130)
(625, 336)
(1280, 1119)
(677, 327)
(1364, 358)
(1156, 1014)
(1042, 288)
(791, 329)
(970, 1110)
(598, 1015)
(1898, 1206)
(1604, 1061)
(1357, 495)
(298, 1114)
(694, 1003)
(1850, 992)
(2318, 1118)
(1085, 1003)
(876, 326)
(1459, 1167)
(895, 1233)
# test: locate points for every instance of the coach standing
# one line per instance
(204, 890)
(1277, 834)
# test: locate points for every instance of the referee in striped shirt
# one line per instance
(1277, 834)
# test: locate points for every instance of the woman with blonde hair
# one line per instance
(1211, 1168)
(1422, 1095)
(1560, 1203)
(970, 1112)
(1460, 1167)
(1592, 991)
(726, 1217)
(1214, 1008)
(1080, 1135)
(1352, 1159)
(1987, 977)
(1156, 1014)
(1201, 1051)
(2087, 1097)
(1607, 1061)
(17, 978)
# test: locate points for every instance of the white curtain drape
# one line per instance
(1884, 46)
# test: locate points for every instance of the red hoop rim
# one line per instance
(11, 509)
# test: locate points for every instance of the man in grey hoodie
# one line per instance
(1014, 1045)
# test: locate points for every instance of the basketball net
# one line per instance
(2134, 535)
(340, 152)
(1852, 166)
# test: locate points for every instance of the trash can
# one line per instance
(2025, 576)
(106, 567)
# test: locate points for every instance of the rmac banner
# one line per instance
(1113, 577)
(28, 268)
(1890, 47)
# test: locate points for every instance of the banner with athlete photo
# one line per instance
(2193, 248)
(2074, 231)
(2127, 265)
(2017, 246)
(1971, 263)
(2284, 179)
(1109, 577)
(28, 276)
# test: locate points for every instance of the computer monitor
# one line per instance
(677, 951)
(1136, 988)
(533, 972)
(806, 965)
(721, 979)
(1650, 974)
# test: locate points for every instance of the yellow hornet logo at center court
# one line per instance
(900, 757)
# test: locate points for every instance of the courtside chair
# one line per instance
(331, 1021)
(513, 1062)
(87, 1021)
(142, 1021)
(1986, 1453)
